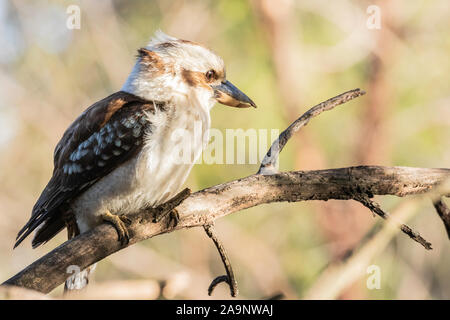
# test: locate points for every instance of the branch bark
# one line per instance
(444, 213)
(268, 164)
(205, 206)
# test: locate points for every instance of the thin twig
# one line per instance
(268, 164)
(229, 277)
(444, 213)
(375, 208)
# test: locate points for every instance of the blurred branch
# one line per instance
(18, 293)
(295, 62)
(115, 290)
(204, 207)
(341, 274)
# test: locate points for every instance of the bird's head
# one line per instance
(168, 67)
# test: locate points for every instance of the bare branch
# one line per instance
(444, 213)
(202, 208)
(269, 162)
(207, 205)
(229, 277)
(376, 209)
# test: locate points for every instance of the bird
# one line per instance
(117, 158)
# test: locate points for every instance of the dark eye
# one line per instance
(210, 75)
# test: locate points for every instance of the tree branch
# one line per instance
(376, 209)
(229, 277)
(268, 164)
(205, 206)
(443, 212)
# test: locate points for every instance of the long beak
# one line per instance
(226, 93)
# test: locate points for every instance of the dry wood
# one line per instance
(229, 277)
(202, 208)
(268, 164)
(443, 212)
(376, 209)
(207, 205)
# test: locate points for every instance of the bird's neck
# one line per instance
(147, 85)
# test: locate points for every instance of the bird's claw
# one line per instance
(169, 209)
(119, 223)
(174, 217)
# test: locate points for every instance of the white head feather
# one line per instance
(176, 55)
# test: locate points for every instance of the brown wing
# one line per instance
(106, 135)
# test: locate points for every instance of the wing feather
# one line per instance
(107, 134)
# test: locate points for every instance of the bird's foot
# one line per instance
(169, 209)
(119, 223)
(71, 224)
(173, 214)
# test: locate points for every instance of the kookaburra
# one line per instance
(114, 158)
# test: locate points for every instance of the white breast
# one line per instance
(155, 175)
